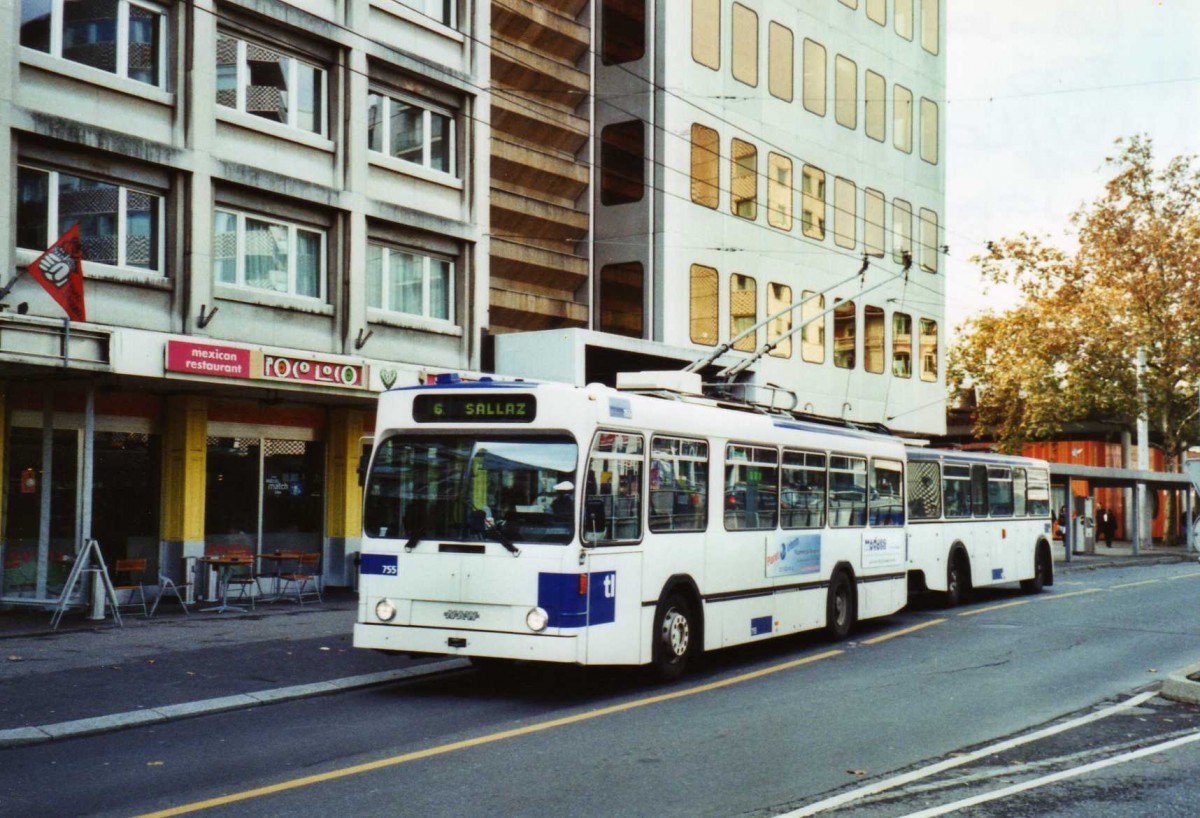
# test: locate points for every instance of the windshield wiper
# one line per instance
(417, 534)
(494, 529)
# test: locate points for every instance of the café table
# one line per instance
(225, 563)
(279, 558)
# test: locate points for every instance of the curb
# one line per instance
(1178, 687)
(1122, 562)
(19, 736)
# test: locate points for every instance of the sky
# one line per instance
(1037, 93)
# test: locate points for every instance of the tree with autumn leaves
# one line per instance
(1067, 352)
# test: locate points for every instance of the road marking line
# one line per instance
(994, 607)
(957, 761)
(1052, 597)
(1192, 575)
(443, 749)
(903, 632)
(1054, 778)
(1134, 584)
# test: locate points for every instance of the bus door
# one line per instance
(613, 578)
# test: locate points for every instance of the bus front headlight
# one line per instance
(537, 620)
(385, 610)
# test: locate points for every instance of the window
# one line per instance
(873, 227)
(929, 240)
(887, 500)
(924, 490)
(678, 484)
(440, 10)
(612, 509)
(802, 499)
(814, 77)
(901, 230)
(929, 350)
(743, 310)
(956, 489)
(929, 25)
(751, 487)
(409, 282)
(873, 340)
(706, 33)
(779, 61)
(743, 186)
(901, 345)
(270, 84)
(875, 106)
(813, 202)
(405, 130)
(1038, 493)
(929, 131)
(1018, 492)
(118, 225)
(903, 12)
(979, 491)
(877, 11)
(621, 294)
(121, 37)
(622, 31)
(847, 491)
(779, 296)
(705, 166)
(266, 254)
(1000, 491)
(844, 341)
(812, 314)
(703, 298)
(902, 103)
(845, 92)
(622, 163)
(779, 191)
(851, 3)
(745, 45)
(845, 215)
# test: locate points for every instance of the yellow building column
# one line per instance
(343, 495)
(185, 452)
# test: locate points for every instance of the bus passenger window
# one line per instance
(956, 490)
(802, 501)
(1037, 502)
(1018, 492)
(1000, 491)
(678, 485)
(614, 489)
(751, 487)
(979, 491)
(847, 491)
(924, 496)
(886, 501)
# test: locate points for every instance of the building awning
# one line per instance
(1102, 477)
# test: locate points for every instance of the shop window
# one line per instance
(877, 11)
(706, 33)
(405, 281)
(622, 31)
(930, 26)
(779, 191)
(903, 13)
(929, 350)
(119, 226)
(845, 214)
(119, 37)
(779, 296)
(802, 498)
(873, 222)
(812, 221)
(743, 310)
(270, 84)
(845, 341)
(845, 92)
(929, 131)
(441, 11)
(847, 491)
(745, 45)
(929, 240)
(875, 106)
(901, 345)
(415, 133)
(902, 116)
(678, 484)
(901, 230)
(613, 500)
(743, 186)
(873, 340)
(751, 487)
(26, 574)
(703, 305)
(814, 77)
(267, 254)
(622, 163)
(780, 48)
(706, 155)
(622, 290)
(812, 314)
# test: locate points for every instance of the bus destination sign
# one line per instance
(474, 408)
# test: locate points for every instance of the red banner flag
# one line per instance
(60, 271)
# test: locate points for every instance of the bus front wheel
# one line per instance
(674, 632)
(839, 608)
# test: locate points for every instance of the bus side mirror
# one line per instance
(594, 521)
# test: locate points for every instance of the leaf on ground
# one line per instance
(154, 763)
(151, 661)
(1152, 670)
(14, 658)
(856, 772)
(324, 648)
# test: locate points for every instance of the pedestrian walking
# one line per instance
(1106, 525)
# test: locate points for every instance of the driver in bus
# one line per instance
(563, 505)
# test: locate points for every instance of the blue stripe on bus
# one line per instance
(760, 626)
(558, 595)
(382, 564)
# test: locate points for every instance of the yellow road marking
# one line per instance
(903, 632)
(443, 749)
(1192, 575)
(1052, 597)
(1133, 584)
(995, 607)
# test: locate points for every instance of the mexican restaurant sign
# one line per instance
(221, 361)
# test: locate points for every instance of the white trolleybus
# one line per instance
(600, 526)
(977, 519)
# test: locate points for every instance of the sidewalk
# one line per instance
(1120, 554)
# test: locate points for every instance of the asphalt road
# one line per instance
(757, 731)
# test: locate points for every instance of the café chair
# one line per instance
(127, 580)
(305, 580)
(242, 578)
(166, 585)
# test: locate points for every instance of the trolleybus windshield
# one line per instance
(473, 486)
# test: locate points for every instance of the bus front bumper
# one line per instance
(460, 642)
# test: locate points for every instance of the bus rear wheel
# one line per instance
(839, 608)
(673, 637)
(956, 579)
(1041, 570)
